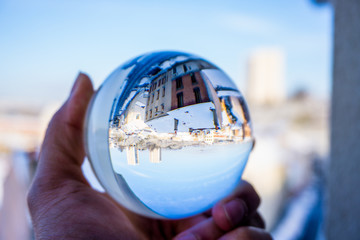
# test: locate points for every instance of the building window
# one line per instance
(163, 95)
(156, 110)
(174, 70)
(159, 82)
(163, 80)
(179, 83)
(193, 79)
(152, 99)
(150, 113)
(146, 114)
(158, 93)
(180, 100)
(162, 107)
(185, 68)
(197, 95)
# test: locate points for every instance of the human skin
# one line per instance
(64, 206)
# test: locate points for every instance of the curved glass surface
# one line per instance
(168, 134)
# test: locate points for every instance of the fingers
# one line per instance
(236, 208)
(78, 101)
(255, 220)
(227, 215)
(62, 152)
(246, 192)
(206, 229)
(247, 233)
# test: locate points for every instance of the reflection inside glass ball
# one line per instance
(179, 133)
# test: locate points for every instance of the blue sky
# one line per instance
(43, 44)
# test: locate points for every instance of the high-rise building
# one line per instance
(266, 76)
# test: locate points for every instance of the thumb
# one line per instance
(62, 151)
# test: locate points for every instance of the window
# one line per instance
(174, 70)
(162, 107)
(152, 99)
(163, 80)
(185, 68)
(179, 83)
(146, 114)
(159, 82)
(150, 113)
(163, 95)
(180, 100)
(197, 95)
(158, 93)
(193, 79)
(156, 110)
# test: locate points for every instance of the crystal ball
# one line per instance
(168, 134)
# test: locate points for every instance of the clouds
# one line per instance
(247, 24)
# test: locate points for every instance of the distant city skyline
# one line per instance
(44, 44)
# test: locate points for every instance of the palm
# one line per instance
(98, 215)
(64, 206)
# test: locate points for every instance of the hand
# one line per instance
(64, 206)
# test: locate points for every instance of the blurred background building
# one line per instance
(266, 77)
(44, 44)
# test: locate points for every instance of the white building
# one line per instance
(266, 76)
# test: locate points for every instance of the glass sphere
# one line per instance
(168, 134)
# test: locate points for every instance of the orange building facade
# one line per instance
(188, 90)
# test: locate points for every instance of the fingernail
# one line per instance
(235, 211)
